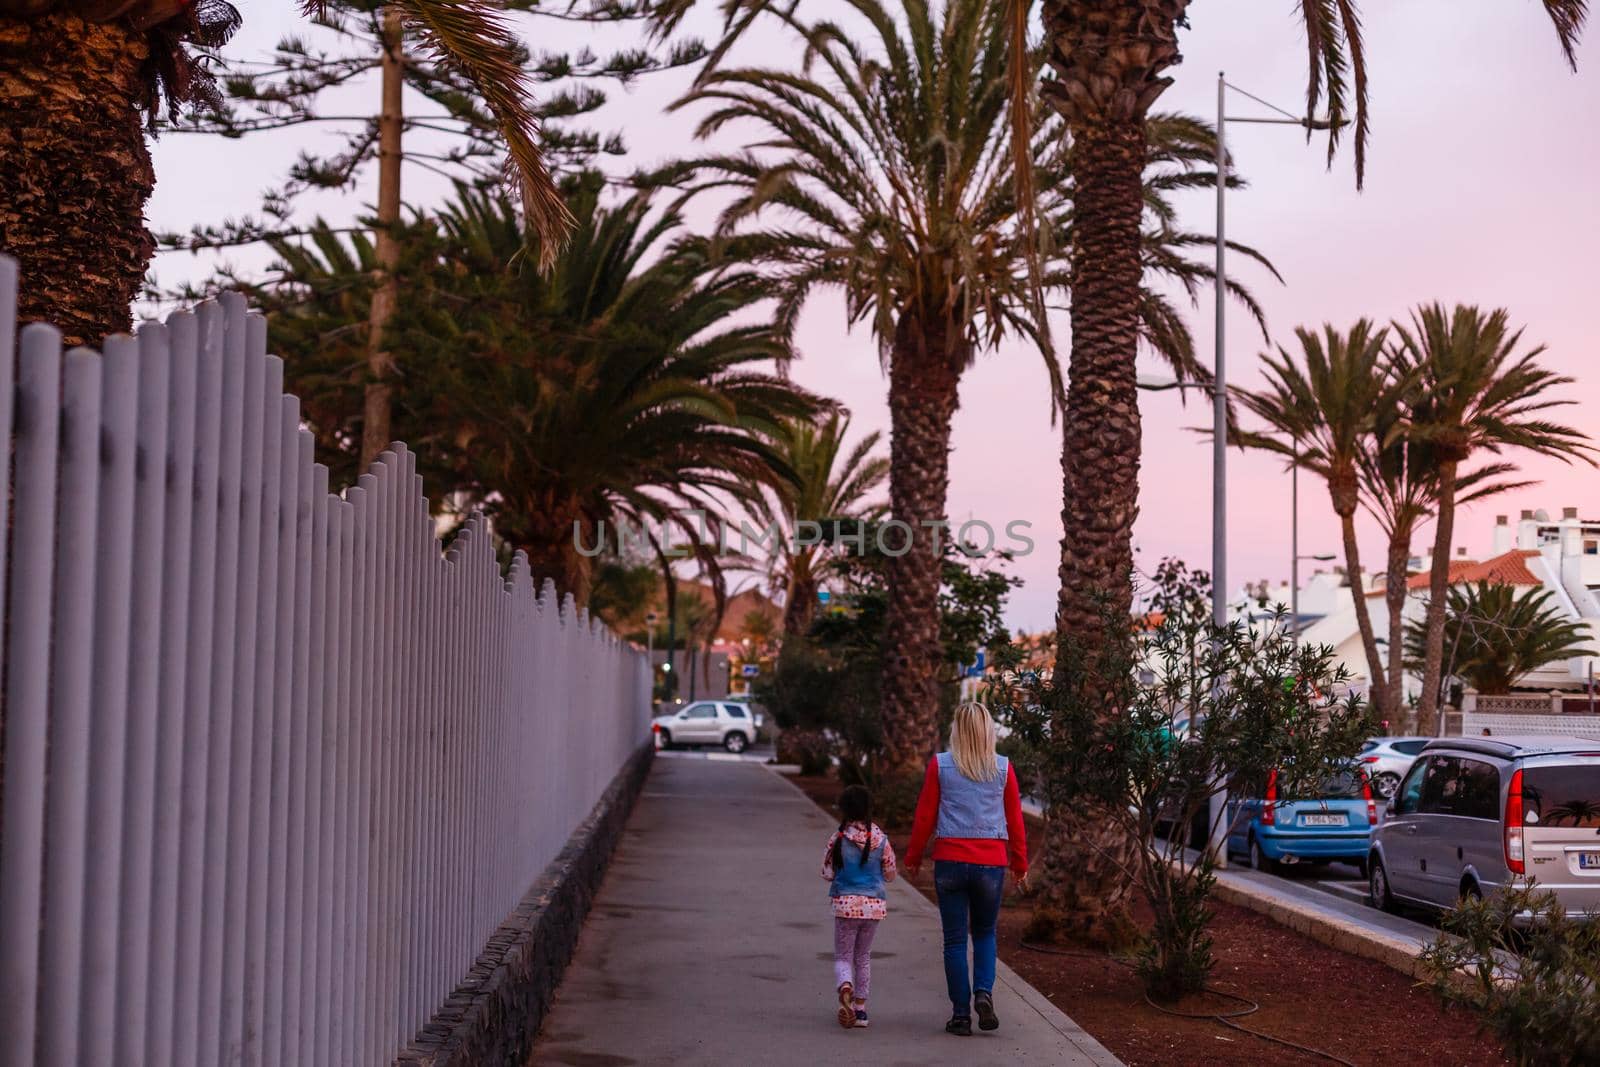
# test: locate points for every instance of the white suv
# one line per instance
(708, 722)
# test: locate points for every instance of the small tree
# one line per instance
(1257, 704)
(1494, 634)
(1538, 989)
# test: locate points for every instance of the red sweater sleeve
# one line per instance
(1016, 830)
(927, 816)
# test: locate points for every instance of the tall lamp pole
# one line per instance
(1219, 394)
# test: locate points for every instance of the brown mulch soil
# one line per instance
(1309, 993)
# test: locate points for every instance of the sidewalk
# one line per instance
(711, 943)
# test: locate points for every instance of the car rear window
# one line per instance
(734, 711)
(1344, 786)
(1410, 748)
(1565, 795)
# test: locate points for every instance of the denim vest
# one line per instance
(970, 809)
(854, 878)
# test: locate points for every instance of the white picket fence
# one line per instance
(276, 765)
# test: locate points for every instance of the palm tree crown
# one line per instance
(1495, 634)
(831, 486)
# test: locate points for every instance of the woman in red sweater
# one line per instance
(972, 807)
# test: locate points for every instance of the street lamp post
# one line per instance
(1219, 396)
(650, 651)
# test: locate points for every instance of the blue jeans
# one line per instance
(969, 899)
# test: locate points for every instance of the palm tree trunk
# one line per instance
(1378, 694)
(924, 373)
(1394, 597)
(1108, 57)
(74, 171)
(1438, 596)
(1084, 882)
(375, 423)
(800, 599)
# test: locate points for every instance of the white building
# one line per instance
(1560, 555)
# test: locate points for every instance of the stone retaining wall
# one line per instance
(495, 1013)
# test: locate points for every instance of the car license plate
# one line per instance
(1589, 861)
(1322, 820)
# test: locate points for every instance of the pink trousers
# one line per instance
(852, 953)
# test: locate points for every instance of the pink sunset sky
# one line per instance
(1481, 187)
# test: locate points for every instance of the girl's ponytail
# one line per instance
(855, 805)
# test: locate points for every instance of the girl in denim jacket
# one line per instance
(858, 861)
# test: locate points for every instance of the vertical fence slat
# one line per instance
(233, 692)
(259, 688)
(268, 912)
(361, 990)
(67, 764)
(298, 844)
(36, 445)
(224, 776)
(179, 1041)
(143, 783)
(108, 733)
(306, 964)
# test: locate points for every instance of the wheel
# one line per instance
(1470, 891)
(1378, 894)
(666, 738)
(1259, 860)
(1385, 784)
(735, 742)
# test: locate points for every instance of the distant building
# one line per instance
(1561, 556)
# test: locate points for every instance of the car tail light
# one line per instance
(1514, 859)
(1369, 759)
(1267, 816)
(1372, 805)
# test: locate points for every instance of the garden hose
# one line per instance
(1225, 1018)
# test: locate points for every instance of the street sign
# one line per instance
(975, 670)
(823, 596)
(751, 670)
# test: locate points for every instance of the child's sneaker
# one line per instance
(847, 1010)
(861, 1019)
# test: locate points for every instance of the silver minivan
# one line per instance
(1475, 814)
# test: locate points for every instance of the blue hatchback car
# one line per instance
(1332, 822)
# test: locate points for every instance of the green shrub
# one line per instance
(1538, 989)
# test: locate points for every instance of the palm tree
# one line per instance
(81, 77)
(1399, 487)
(887, 175)
(1322, 411)
(1109, 59)
(1477, 394)
(831, 486)
(1495, 635)
(614, 399)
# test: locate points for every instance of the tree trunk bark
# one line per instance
(924, 373)
(1378, 694)
(74, 171)
(1101, 441)
(800, 599)
(1394, 596)
(1101, 436)
(378, 401)
(1107, 57)
(1438, 597)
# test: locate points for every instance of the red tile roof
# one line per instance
(1508, 568)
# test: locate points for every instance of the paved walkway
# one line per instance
(711, 943)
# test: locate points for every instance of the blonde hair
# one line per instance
(972, 742)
